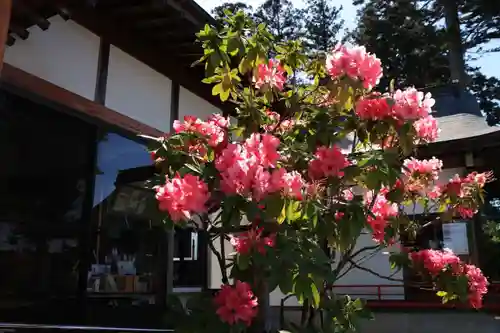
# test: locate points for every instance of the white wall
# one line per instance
(66, 55)
(192, 105)
(138, 91)
(377, 261)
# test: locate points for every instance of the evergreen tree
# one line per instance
(283, 20)
(323, 24)
(412, 50)
(233, 7)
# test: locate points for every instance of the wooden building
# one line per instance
(80, 239)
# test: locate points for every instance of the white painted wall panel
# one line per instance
(136, 90)
(377, 261)
(192, 105)
(66, 55)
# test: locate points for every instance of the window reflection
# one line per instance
(45, 163)
(127, 236)
(129, 241)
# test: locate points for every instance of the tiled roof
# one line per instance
(462, 126)
(459, 116)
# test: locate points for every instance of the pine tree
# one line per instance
(282, 18)
(233, 7)
(412, 45)
(323, 24)
(412, 49)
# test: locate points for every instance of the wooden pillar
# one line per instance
(174, 115)
(5, 12)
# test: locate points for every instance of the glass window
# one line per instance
(128, 238)
(44, 172)
(126, 234)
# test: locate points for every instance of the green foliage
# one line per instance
(418, 55)
(323, 23)
(299, 243)
(282, 19)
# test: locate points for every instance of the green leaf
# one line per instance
(243, 262)
(225, 95)
(286, 284)
(282, 216)
(217, 89)
(193, 168)
(316, 298)
(274, 206)
(442, 293)
(293, 211)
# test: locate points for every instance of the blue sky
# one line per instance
(489, 64)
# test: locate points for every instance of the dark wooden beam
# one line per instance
(158, 22)
(79, 105)
(64, 13)
(5, 13)
(20, 31)
(102, 72)
(32, 16)
(10, 40)
(177, 6)
(135, 10)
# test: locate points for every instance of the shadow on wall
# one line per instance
(437, 322)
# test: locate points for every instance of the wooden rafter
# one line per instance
(31, 15)
(20, 31)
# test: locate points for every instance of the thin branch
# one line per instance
(373, 272)
(363, 249)
(220, 260)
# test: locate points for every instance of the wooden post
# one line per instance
(174, 115)
(5, 12)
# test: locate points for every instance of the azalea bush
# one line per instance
(310, 157)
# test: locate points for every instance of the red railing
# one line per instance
(401, 296)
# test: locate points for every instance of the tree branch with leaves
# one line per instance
(282, 188)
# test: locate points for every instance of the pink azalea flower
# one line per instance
(270, 75)
(182, 197)
(328, 162)
(355, 63)
(427, 129)
(236, 303)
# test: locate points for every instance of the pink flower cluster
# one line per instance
(181, 197)
(328, 162)
(373, 107)
(429, 168)
(427, 129)
(270, 75)
(355, 63)
(214, 129)
(412, 104)
(478, 285)
(382, 210)
(252, 240)
(236, 303)
(438, 262)
(402, 106)
(461, 192)
(277, 124)
(249, 169)
(435, 261)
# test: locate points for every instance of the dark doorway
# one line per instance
(44, 177)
